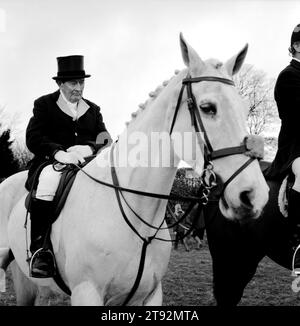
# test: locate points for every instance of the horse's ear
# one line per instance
(234, 64)
(189, 55)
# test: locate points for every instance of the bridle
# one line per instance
(209, 154)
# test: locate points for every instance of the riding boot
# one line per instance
(42, 263)
(294, 229)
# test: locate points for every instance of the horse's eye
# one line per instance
(208, 108)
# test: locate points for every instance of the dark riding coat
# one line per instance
(287, 96)
(50, 129)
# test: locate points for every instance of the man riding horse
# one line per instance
(65, 128)
(287, 159)
(193, 224)
(180, 229)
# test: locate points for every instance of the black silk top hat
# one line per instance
(295, 35)
(70, 67)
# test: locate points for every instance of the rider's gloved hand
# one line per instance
(69, 157)
(83, 150)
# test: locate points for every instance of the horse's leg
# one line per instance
(176, 241)
(231, 276)
(235, 256)
(26, 291)
(198, 241)
(184, 240)
(86, 294)
(156, 298)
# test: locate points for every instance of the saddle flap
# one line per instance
(65, 183)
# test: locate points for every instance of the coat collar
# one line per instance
(295, 64)
(61, 103)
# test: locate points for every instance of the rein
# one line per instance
(146, 240)
(138, 192)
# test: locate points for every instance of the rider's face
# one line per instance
(296, 46)
(72, 89)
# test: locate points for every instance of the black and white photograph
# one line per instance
(149, 155)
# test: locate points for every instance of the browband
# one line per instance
(208, 78)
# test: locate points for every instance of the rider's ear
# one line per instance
(190, 56)
(234, 64)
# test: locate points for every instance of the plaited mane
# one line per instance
(152, 96)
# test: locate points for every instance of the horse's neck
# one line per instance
(158, 173)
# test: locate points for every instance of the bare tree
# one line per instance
(11, 134)
(257, 89)
(21, 153)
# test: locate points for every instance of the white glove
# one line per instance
(68, 158)
(83, 150)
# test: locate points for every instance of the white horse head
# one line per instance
(98, 241)
(223, 113)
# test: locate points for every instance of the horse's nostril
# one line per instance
(245, 197)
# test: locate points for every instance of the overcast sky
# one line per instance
(131, 47)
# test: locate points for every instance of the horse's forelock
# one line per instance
(215, 63)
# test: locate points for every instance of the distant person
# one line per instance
(180, 229)
(287, 159)
(199, 226)
(65, 128)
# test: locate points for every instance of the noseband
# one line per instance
(252, 146)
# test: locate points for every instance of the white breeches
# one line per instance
(48, 183)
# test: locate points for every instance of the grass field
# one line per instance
(189, 283)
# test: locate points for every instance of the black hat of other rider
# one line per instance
(295, 35)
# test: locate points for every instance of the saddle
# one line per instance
(69, 172)
(67, 178)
